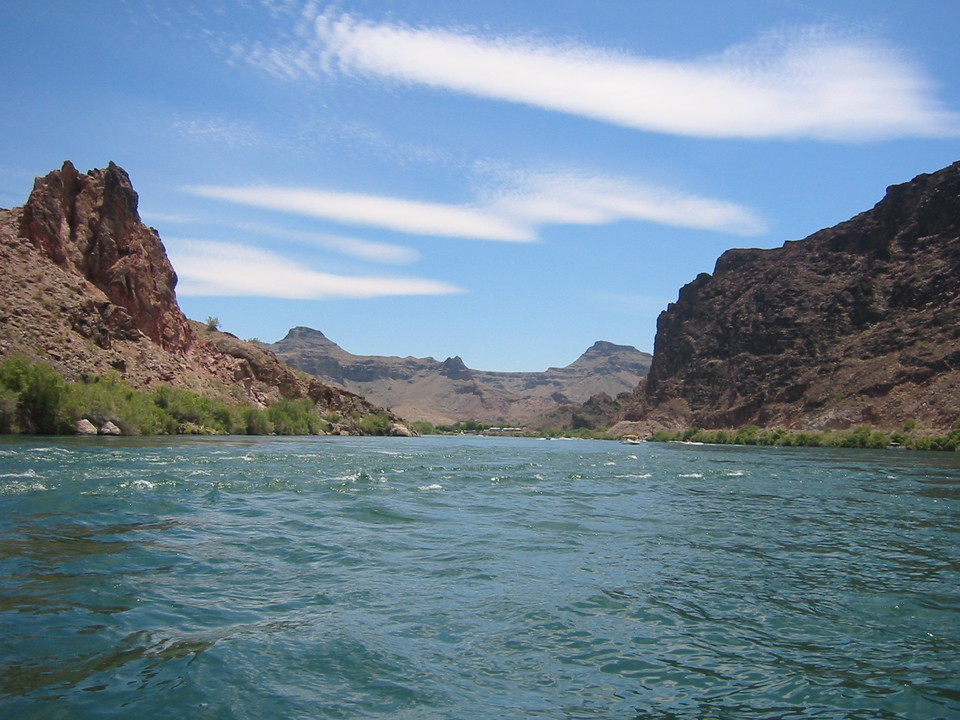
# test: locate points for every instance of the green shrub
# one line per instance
(294, 417)
(254, 421)
(8, 410)
(102, 399)
(424, 427)
(747, 435)
(189, 408)
(375, 424)
(39, 392)
(861, 437)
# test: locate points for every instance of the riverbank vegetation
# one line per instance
(34, 398)
(860, 437)
(473, 427)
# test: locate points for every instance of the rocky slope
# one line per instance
(856, 324)
(88, 288)
(448, 391)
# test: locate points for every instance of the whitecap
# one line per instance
(691, 475)
(735, 473)
(435, 486)
(31, 473)
(18, 488)
(143, 485)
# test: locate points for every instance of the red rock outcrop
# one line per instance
(88, 288)
(89, 223)
(856, 324)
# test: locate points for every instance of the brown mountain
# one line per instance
(856, 324)
(88, 288)
(448, 391)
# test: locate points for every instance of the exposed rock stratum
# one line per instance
(448, 391)
(88, 288)
(856, 324)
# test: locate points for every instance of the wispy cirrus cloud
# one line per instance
(219, 130)
(517, 210)
(226, 269)
(579, 198)
(358, 248)
(407, 216)
(800, 83)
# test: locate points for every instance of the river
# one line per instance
(475, 578)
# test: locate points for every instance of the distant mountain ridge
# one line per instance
(448, 391)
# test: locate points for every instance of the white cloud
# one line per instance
(218, 130)
(803, 83)
(584, 199)
(214, 268)
(354, 247)
(407, 216)
(514, 212)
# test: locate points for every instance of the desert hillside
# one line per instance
(448, 391)
(87, 288)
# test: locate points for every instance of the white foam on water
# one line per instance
(735, 473)
(691, 475)
(19, 488)
(31, 473)
(143, 485)
(435, 486)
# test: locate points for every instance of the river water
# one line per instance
(468, 578)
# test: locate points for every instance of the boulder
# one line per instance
(398, 430)
(108, 428)
(85, 427)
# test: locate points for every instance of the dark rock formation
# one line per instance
(449, 391)
(599, 412)
(856, 324)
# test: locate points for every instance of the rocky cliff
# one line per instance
(448, 391)
(856, 324)
(88, 288)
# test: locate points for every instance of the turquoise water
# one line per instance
(475, 578)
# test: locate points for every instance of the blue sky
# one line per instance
(507, 181)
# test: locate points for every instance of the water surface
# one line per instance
(475, 578)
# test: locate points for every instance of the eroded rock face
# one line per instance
(88, 288)
(859, 323)
(89, 223)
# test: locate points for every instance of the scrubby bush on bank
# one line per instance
(860, 437)
(34, 398)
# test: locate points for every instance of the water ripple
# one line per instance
(475, 578)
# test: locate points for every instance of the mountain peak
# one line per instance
(602, 347)
(304, 333)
